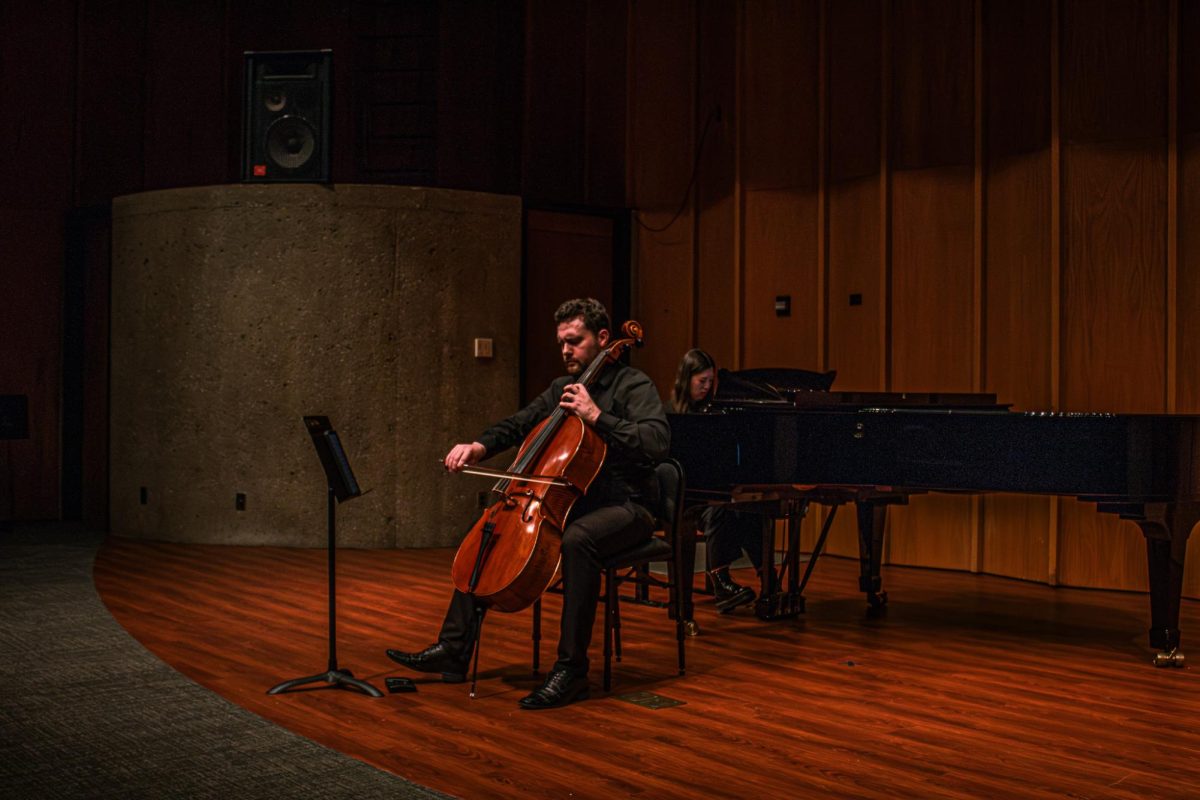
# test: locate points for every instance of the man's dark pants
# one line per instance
(593, 535)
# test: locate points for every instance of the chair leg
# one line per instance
(673, 578)
(478, 647)
(610, 594)
(616, 617)
(537, 633)
(676, 598)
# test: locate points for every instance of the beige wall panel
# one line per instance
(1114, 274)
(1017, 84)
(843, 536)
(661, 152)
(662, 77)
(854, 269)
(1114, 69)
(1187, 310)
(933, 83)
(662, 299)
(810, 529)
(780, 245)
(1189, 69)
(779, 95)
(933, 530)
(1191, 572)
(932, 347)
(1114, 114)
(1017, 346)
(566, 255)
(1187, 296)
(606, 96)
(1100, 550)
(1016, 533)
(779, 176)
(717, 277)
(855, 104)
(854, 222)
(238, 309)
(932, 280)
(717, 282)
(1018, 301)
(1018, 305)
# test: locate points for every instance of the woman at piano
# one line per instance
(728, 533)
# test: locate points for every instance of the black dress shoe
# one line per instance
(727, 593)
(435, 658)
(561, 687)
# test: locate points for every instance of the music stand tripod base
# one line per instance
(342, 486)
(334, 678)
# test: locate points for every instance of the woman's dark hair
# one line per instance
(591, 310)
(693, 361)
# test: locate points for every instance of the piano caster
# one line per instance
(1169, 658)
(876, 604)
(690, 628)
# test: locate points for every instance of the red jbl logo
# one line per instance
(260, 170)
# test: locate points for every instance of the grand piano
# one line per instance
(776, 440)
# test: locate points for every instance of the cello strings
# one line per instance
(523, 463)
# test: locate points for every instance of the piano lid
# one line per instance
(784, 388)
(771, 386)
(787, 380)
(733, 389)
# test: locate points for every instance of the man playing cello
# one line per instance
(624, 409)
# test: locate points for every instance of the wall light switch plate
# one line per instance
(483, 348)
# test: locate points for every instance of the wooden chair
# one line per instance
(631, 566)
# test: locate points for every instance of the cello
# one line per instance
(511, 554)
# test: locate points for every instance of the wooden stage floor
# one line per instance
(969, 686)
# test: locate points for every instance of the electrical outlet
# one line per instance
(483, 348)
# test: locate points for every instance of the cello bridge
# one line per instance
(527, 514)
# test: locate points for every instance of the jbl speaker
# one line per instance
(287, 117)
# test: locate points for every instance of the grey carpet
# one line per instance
(87, 712)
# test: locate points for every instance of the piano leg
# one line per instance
(797, 511)
(871, 518)
(773, 601)
(1166, 527)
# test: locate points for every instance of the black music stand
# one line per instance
(342, 486)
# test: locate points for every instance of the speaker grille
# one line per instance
(287, 118)
(291, 142)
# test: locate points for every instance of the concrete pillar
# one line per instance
(236, 310)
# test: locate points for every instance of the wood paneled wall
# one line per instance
(958, 196)
(986, 195)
